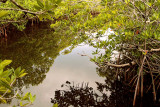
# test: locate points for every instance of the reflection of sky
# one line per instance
(70, 67)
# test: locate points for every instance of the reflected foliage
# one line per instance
(108, 94)
(35, 50)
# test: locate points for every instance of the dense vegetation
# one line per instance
(136, 35)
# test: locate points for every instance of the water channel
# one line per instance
(42, 54)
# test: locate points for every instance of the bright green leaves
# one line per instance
(8, 77)
(4, 63)
(26, 100)
(3, 13)
(28, 96)
(55, 105)
(32, 98)
(40, 4)
(5, 83)
(19, 73)
(47, 5)
(127, 1)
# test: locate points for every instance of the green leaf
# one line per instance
(3, 100)
(21, 104)
(13, 77)
(22, 75)
(1, 71)
(51, 12)
(17, 71)
(3, 90)
(5, 83)
(127, 1)
(40, 3)
(3, 13)
(18, 96)
(30, 97)
(52, 1)
(5, 63)
(22, 72)
(34, 97)
(24, 105)
(6, 73)
(58, 1)
(47, 6)
(26, 96)
(37, 7)
(55, 105)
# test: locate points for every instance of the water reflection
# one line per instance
(35, 51)
(82, 95)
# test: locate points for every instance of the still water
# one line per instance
(42, 56)
(51, 59)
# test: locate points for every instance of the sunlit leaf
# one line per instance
(22, 75)
(40, 3)
(58, 1)
(6, 73)
(17, 71)
(5, 63)
(26, 96)
(3, 13)
(3, 90)
(3, 100)
(5, 83)
(37, 7)
(21, 104)
(55, 105)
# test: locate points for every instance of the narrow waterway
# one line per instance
(71, 67)
(41, 53)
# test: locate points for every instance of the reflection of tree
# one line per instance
(84, 96)
(35, 51)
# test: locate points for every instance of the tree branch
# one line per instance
(12, 21)
(152, 50)
(26, 11)
(13, 1)
(122, 65)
